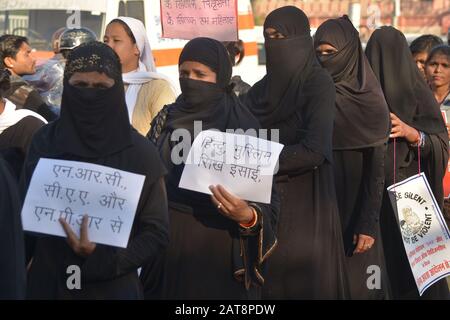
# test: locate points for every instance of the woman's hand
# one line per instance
(402, 130)
(363, 243)
(82, 247)
(231, 206)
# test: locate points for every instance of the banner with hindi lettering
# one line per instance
(243, 164)
(426, 237)
(71, 189)
(188, 19)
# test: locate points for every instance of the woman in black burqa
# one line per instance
(416, 123)
(297, 97)
(219, 244)
(361, 131)
(94, 128)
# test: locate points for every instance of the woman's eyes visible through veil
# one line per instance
(325, 53)
(82, 84)
(325, 49)
(272, 33)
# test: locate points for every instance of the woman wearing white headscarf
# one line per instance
(146, 90)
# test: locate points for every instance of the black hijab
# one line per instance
(289, 63)
(93, 122)
(406, 92)
(214, 104)
(362, 115)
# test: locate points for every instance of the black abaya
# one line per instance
(408, 97)
(361, 130)
(94, 128)
(109, 273)
(359, 185)
(309, 261)
(209, 256)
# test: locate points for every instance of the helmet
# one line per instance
(55, 39)
(72, 38)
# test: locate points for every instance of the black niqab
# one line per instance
(289, 62)
(212, 103)
(279, 100)
(362, 115)
(93, 122)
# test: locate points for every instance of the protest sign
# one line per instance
(71, 189)
(424, 232)
(243, 164)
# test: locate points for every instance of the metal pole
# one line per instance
(397, 12)
(355, 14)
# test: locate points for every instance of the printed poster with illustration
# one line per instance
(426, 237)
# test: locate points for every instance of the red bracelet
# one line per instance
(252, 223)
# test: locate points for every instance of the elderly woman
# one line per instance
(218, 244)
(94, 128)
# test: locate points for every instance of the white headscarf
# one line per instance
(146, 70)
(10, 116)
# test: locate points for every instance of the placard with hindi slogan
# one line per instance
(243, 164)
(189, 19)
(71, 189)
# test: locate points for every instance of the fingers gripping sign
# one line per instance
(231, 206)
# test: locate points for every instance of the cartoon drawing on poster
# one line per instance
(425, 234)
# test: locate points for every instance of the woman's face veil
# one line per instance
(94, 119)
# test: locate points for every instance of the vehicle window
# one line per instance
(133, 9)
(39, 25)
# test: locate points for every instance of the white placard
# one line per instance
(423, 229)
(243, 164)
(71, 189)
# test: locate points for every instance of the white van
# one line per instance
(37, 20)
